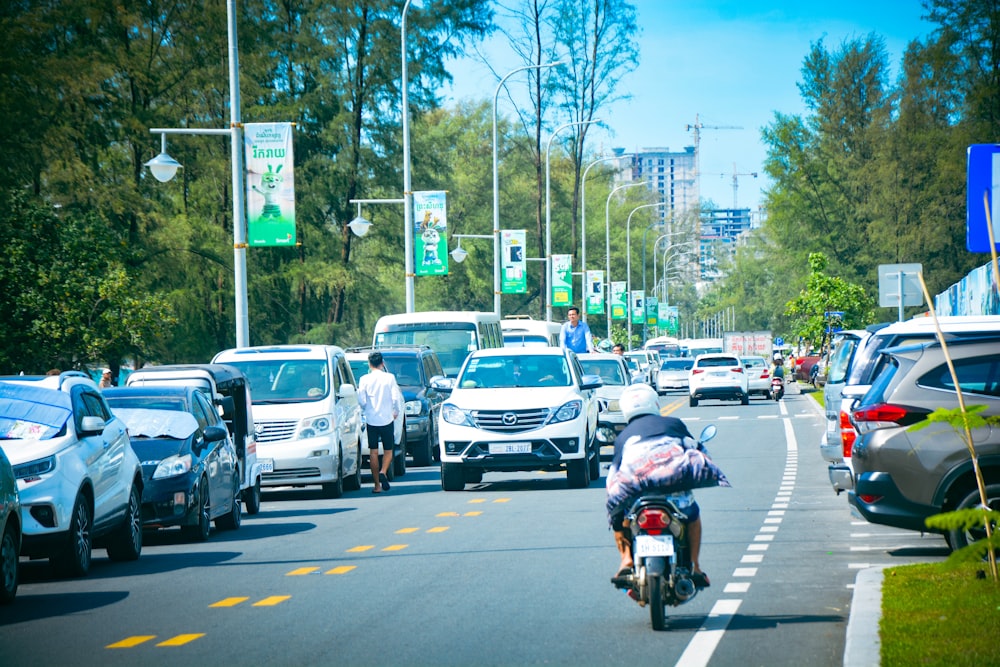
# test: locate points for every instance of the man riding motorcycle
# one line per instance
(641, 408)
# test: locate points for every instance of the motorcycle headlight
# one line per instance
(414, 408)
(455, 415)
(315, 426)
(567, 412)
(173, 466)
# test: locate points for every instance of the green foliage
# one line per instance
(823, 294)
(969, 519)
(971, 418)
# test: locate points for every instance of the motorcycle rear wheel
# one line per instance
(657, 611)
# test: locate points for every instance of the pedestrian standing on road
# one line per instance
(575, 335)
(382, 402)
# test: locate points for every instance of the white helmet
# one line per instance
(639, 399)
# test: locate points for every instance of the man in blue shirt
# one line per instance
(575, 335)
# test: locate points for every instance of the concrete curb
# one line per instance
(862, 646)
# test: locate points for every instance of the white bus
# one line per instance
(452, 334)
(667, 346)
(526, 332)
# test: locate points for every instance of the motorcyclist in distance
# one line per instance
(778, 367)
(641, 407)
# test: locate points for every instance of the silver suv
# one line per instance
(903, 476)
(78, 478)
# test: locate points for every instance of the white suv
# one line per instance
(519, 408)
(79, 480)
(719, 376)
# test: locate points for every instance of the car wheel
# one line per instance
(962, 538)
(126, 543)
(424, 454)
(595, 461)
(199, 532)
(353, 482)
(234, 518)
(251, 498)
(473, 476)
(335, 489)
(74, 559)
(693, 402)
(399, 462)
(452, 477)
(745, 399)
(578, 473)
(9, 556)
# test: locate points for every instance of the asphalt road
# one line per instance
(513, 571)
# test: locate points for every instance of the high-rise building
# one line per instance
(671, 176)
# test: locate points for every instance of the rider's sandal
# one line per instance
(700, 580)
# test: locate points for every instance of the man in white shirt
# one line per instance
(382, 401)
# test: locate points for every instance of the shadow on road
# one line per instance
(35, 607)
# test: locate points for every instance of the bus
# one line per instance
(452, 334)
(522, 331)
(667, 346)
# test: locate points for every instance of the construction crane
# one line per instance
(736, 183)
(698, 126)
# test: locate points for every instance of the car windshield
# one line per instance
(524, 340)
(520, 371)
(609, 370)
(32, 413)
(406, 370)
(677, 365)
(286, 380)
(148, 423)
(715, 362)
(359, 368)
(452, 341)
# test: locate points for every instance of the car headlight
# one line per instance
(455, 415)
(315, 426)
(613, 406)
(173, 466)
(413, 408)
(34, 469)
(566, 412)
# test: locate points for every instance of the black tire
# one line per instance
(126, 542)
(251, 498)
(200, 531)
(353, 482)
(595, 464)
(335, 489)
(9, 557)
(473, 476)
(452, 477)
(578, 473)
(74, 559)
(424, 454)
(958, 539)
(744, 399)
(399, 462)
(693, 402)
(234, 518)
(657, 612)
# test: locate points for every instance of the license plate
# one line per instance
(654, 545)
(510, 448)
(267, 465)
(718, 374)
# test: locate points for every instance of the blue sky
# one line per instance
(728, 62)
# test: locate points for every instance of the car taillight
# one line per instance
(765, 375)
(885, 415)
(695, 371)
(847, 434)
(869, 499)
(738, 369)
(653, 521)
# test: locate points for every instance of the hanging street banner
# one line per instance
(270, 183)
(666, 317)
(562, 280)
(651, 310)
(595, 292)
(430, 237)
(637, 310)
(619, 300)
(513, 262)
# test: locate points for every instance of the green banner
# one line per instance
(270, 183)
(595, 292)
(562, 280)
(651, 311)
(430, 233)
(513, 261)
(637, 308)
(619, 300)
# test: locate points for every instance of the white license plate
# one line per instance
(510, 448)
(718, 374)
(266, 465)
(654, 545)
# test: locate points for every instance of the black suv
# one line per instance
(414, 368)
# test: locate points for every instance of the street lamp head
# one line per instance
(359, 226)
(459, 254)
(163, 167)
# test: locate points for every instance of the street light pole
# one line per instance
(548, 213)
(407, 193)
(607, 246)
(496, 185)
(583, 231)
(628, 260)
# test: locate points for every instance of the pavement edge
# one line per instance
(862, 645)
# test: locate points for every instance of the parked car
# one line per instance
(358, 361)
(718, 376)
(519, 408)
(904, 476)
(189, 464)
(673, 374)
(758, 376)
(79, 481)
(806, 367)
(10, 531)
(839, 434)
(615, 377)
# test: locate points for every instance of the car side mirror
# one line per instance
(346, 391)
(591, 382)
(215, 434)
(227, 407)
(91, 424)
(443, 384)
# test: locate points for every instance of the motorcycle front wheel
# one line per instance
(657, 611)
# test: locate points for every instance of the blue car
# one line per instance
(189, 464)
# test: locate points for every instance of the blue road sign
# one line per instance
(983, 197)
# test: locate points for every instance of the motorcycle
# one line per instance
(661, 555)
(777, 387)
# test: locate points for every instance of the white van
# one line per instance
(306, 412)
(452, 334)
(526, 332)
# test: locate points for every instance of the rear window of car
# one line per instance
(980, 375)
(677, 365)
(715, 362)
